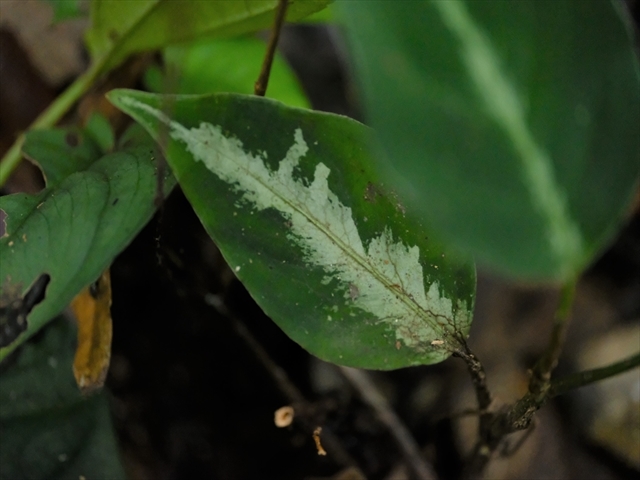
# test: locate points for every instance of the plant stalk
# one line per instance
(541, 374)
(49, 117)
(493, 427)
(521, 414)
(581, 379)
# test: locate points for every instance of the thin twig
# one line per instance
(483, 448)
(478, 377)
(284, 383)
(281, 378)
(485, 445)
(260, 87)
(580, 379)
(407, 444)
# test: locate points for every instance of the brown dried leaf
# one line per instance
(93, 353)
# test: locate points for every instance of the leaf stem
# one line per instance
(49, 117)
(260, 87)
(541, 374)
(493, 427)
(478, 377)
(587, 377)
(521, 413)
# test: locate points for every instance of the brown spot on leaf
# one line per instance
(354, 292)
(371, 193)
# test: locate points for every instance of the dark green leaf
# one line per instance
(100, 130)
(325, 249)
(120, 28)
(510, 127)
(60, 152)
(49, 431)
(74, 229)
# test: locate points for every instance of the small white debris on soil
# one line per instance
(316, 438)
(283, 417)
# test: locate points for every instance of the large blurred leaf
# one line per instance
(66, 9)
(510, 127)
(120, 28)
(291, 199)
(48, 430)
(323, 16)
(74, 228)
(225, 65)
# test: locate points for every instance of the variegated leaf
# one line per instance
(308, 226)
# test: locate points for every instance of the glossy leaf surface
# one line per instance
(74, 228)
(290, 198)
(49, 430)
(510, 127)
(120, 28)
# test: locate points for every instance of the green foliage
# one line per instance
(488, 136)
(325, 15)
(99, 129)
(308, 227)
(511, 130)
(119, 28)
(92, 208)
(65, 10)
(224, 65)
(60, 152)
(509, 134)
(49, 430)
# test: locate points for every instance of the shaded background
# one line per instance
(191, 396)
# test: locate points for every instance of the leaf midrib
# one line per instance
(363, 262)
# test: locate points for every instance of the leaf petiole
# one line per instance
(260, 87)
(587, 377)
